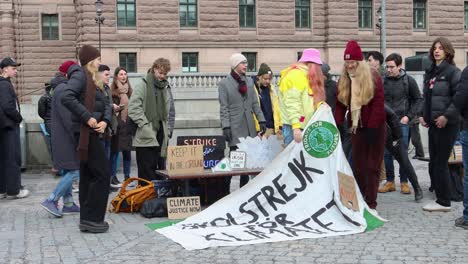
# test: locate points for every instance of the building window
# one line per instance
(419, 53)
(247, 13)
(126, 13)
(251, 61)
(365, 14)
(466, 16)
(302, 13)
(128, 61)
(50, 27)
(299, 55)
(188, 13)
(419, 14)
(190, 62)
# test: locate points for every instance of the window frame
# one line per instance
(189, 54)
(49, 27)
(187, 21)
(299, 9)
(126, 3)
(465, 12)
(362, 12)
(416, 11)
(126, 65)
(243, 11)
(247, 55)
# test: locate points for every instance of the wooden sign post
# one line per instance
(184, 159)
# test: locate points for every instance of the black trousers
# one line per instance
(399, 152)
(10, 161)
(440, 146)
(94, 182)
(416, 139)
(148, 161)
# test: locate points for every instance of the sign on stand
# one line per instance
(183, 207)
(184, 159)
(213, 147)
(238, 160)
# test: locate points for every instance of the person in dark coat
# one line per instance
(64, 151)
(122, 140)
(10, 145)
(44, 109)
(361, 96)
(330, 87)
(460, 100)
(91, 113)
(440, 115)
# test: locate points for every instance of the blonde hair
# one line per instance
(94, 70)
(363, 77)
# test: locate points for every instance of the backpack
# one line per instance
(130, 201)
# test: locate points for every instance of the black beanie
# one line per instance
(264, 69)
(88, 53)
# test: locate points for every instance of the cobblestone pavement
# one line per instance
(28, 234)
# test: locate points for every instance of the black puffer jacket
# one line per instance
(393, 125)
(402, 95)
(10, 116)
(460, 100)
(44, 108)
(73, 99)
(440, 83)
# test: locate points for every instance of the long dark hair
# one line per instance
(114, 88)
(448, 49)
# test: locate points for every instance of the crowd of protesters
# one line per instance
(91, 122)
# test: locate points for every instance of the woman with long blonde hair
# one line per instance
(301, 90)
(85, 98)
(360, 94)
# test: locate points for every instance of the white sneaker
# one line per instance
(22, 194)
(435, 207)
(3, 195)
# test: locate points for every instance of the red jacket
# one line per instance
(372, 114)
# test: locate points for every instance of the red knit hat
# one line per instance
(65, 66)
(353, 51)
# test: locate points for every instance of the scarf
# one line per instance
(161, 95)
(90, 100)
(242, 84)
(356, 105)
(122, 90)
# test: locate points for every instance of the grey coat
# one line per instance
(237, 110)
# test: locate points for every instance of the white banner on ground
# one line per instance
(306, 192)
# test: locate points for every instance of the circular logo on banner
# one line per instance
(321, 139)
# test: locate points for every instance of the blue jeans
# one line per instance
(464, 143)
(64, 187)
(288, 134)
(388, 158)
(127, 161)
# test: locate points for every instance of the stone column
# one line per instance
(7, 29)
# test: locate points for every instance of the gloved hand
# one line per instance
(371, 135)
(227, 133)
(263, 128)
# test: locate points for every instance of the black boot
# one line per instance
(418, 193)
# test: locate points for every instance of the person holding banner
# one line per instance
(361, 95)
(301, 90)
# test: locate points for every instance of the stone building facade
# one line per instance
(43, 33)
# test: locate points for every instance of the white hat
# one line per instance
(236, 59)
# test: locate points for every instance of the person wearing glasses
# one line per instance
(403, 97)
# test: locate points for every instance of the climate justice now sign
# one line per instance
(298, 196)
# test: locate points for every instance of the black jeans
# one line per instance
(10, 161)
(148, 159)
(416, 140)
(94, 182)
(440, 146)
(399, 152)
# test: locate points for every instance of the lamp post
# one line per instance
(379, 26)
(99, 19)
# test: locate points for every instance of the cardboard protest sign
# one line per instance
(183, 207)
(184, 159)
(237, 159)
(348, 191)
(297, 196)
(213, 147)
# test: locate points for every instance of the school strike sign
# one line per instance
(306, 192)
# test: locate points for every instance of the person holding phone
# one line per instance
(122, 140)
